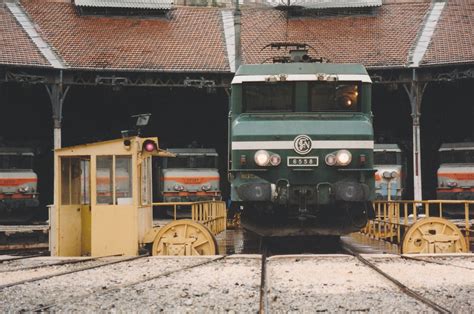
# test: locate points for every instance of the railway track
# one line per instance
(412, 293)
(112, 289)
(62, 273)
(267, 292)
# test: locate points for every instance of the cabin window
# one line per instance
(334, 96)
(104, 179)
(123, 180)
(74, 181)
(146, 177)
(268, 97)
(114, 180)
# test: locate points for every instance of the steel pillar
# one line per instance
(237, 30)
(415, 95)
(57, 94)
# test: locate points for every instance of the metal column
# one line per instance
(57, 94)
(415, 95)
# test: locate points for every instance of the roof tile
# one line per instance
(16, 47)
(453, 39)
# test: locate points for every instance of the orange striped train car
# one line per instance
(456, 174)
(18, 185)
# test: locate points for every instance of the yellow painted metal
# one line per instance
(394, 219)
(184, 238)
(212, 214)
(433, 235)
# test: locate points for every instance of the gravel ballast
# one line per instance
(297, 283)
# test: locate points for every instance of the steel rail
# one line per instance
(69, 262)
(100, 291)
(434, 262)
(20, 258)
(68, 272)
(438, 308)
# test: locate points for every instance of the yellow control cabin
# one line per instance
(103, 204)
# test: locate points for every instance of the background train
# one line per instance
(19, 197)
(390, 178)
(191, 176)
(456, 175)
(301, 147)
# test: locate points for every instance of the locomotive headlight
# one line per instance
(23, 189)
(343, 157)
(262, 158)
(394, 174)
(206, 187)
(275, 160)
(452, 184)
(178, 187)
(331, 159)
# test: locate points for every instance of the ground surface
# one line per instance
(294, 283)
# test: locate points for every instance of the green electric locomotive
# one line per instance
(301, 147)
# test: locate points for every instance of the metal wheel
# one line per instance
(184, 238)
(433, 235)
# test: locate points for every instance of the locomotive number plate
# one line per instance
(302, 161)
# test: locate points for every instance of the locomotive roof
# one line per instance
(457, 146)
(193, 151)
(301, 68)
(387, 148)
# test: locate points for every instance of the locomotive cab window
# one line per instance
(334, 96)
(191, 162)
(11, 161)
(268, 97)
(387, 158)
(457, 156)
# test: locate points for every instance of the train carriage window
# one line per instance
(268, 97)
(334, 96)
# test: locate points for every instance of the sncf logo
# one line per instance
(302, 144)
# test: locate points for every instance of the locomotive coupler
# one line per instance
(282, 191)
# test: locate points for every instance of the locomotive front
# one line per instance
(301, 148)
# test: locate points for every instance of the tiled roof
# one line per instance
(453, 39)
(192, 38)
(136, 4)
(189, 39)
(15, 46)
(375, 41)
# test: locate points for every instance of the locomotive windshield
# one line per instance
(457, 156)
(191, 162)
(16, 162)
(387, 158)
(268, 97)
(334, 96)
